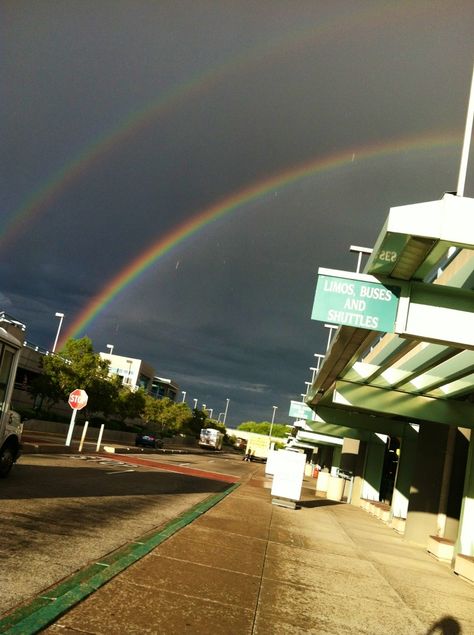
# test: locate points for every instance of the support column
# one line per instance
(349, 458)
(450, 506)
(359, 474)
(425, 489)
(373, 468)
(336, 457)
(465, 542)
(406, 465)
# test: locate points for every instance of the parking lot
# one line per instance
(61, 512)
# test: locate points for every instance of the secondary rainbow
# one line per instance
(152, 254)
(39, 201)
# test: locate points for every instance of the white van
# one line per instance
(10, 422)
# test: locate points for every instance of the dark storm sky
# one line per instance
(214, 98)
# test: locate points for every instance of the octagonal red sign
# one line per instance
(78, 399)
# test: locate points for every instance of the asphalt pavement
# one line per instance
(238, 564)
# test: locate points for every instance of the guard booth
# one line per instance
(400, 370)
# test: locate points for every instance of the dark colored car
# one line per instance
(148, 440)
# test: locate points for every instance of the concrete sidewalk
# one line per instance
(247, 566)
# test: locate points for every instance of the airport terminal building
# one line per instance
(397, 381)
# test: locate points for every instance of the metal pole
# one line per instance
(467, 141)
(360, 250)
(71, 427)
(99, 439)
(331, 327)
(61, 317)
(83, 436)
(184, 395)
(226, 408)
(319, 359)
(273, 419)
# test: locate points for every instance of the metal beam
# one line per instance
(452, 369)
(356, 425)
(439, 314)
(401, 404)
(346, 348)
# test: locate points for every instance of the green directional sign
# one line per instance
(355, 302)
(300, 410)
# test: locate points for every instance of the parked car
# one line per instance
(147, 440)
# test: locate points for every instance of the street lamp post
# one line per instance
(331, 327)
(211, 410)
(110, 347)
(61, 317)
(226, 408)
(360, 251)
(184, 395)
(221, 414)
(273, 420)
(195, 403)
(319, 357)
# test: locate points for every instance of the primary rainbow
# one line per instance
(134, 269)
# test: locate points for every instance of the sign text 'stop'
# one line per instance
(78, 399)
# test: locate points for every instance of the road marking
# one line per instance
(120, 472)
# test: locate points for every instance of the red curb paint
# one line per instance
(188, 471)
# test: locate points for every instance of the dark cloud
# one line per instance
(211, 100)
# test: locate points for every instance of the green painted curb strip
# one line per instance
(44, 610)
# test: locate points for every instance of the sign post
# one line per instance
(77, 400)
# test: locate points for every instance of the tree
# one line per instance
(164, 416)
(212, 423)
(196, 421)
(129, 403)
(77, 366)
(46, 392)
(278, 429)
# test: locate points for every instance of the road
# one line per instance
(61, 512)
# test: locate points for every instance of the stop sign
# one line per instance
(78, 399)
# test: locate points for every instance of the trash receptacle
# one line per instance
(335, 488)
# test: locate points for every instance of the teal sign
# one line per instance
(300, 410)
(366, 305)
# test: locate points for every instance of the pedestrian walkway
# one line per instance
(249, 567)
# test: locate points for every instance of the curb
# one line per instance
(57, 600)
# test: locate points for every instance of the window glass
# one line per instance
(5, 370)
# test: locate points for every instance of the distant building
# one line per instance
(135, 373)
(138, 374)
(162, 387)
